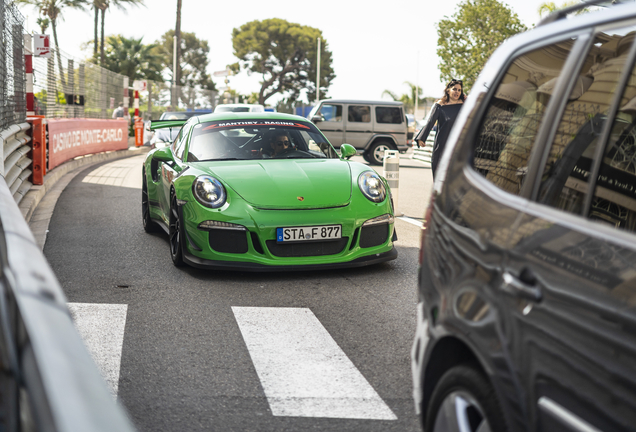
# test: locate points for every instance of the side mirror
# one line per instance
(347, 151)
(163, 155)
(317, 118)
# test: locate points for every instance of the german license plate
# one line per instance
(308, 233)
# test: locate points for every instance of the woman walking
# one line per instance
(444, 113)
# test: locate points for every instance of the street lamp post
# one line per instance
(318, 74)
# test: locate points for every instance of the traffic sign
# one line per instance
(140, 85)
(42, 45)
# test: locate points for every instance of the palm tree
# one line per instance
(102, 6)
(130, 57)
(52, 9)
(408, 99)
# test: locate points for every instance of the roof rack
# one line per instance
(560, 14)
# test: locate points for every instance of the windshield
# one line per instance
(258, 139)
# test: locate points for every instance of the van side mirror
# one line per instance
(347, 151)
(317, 118)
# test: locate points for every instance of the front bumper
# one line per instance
(254, 246)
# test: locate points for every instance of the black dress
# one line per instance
(445, 116)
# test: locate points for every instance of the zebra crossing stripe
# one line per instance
(102, 329)
(303, 371)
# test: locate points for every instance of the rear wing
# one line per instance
(161, 124)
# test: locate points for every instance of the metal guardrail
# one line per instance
(425, 153)
(48, 380)
(16, 167)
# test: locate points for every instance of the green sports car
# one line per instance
(264, 191)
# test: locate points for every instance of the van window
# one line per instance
(565, 177)
(331, 113)
(359, 113)
(614, 199)
(508, 131)
(391, 115)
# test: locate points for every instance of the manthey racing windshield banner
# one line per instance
(69, 138)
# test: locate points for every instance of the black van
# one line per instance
(527, 278)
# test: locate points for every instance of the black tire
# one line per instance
(375, 154)
(175, 234)
(149, 225)
(464, 384)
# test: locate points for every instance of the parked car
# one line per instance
(370, 126)
(180, 115)
(264, 191)
(527, 278)
(239, 108)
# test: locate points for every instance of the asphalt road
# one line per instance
(184, 363)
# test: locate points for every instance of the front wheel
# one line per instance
(464, 400)
(375, 154)
(149, 225)
(175, 234)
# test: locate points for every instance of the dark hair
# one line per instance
(446, 97)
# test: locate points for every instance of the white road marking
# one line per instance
(411, 221)
(102, 328)
(122, 172)
(303, 371)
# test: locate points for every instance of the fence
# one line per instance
(68, 87)
(12, 76)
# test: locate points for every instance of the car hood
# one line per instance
(288, 183)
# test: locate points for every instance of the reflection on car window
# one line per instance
(331, 113)
(257, 139)
(503, 146)
(359, 113)
(564, 181)
(614, 199)
(388, 115)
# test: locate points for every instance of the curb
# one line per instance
(32, 199)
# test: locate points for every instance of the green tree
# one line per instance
(130, 57)
(192, 65)
(52, 10)
(471, 35)
(284, 54)
(551, 7)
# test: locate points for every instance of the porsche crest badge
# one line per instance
(300, 198)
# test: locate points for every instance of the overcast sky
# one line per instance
(376, 46)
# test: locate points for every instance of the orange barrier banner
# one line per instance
(69, 138)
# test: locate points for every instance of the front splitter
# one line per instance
(256, 267)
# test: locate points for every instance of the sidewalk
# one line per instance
(38, 204)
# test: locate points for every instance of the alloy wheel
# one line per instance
(460, 412)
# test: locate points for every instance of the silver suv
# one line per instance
(370, 126)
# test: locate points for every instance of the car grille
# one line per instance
(373, 235)
(228, 241)
(314, 248)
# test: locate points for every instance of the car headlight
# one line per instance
(371, 186)
(209, 191)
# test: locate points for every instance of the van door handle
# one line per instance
(516, 287)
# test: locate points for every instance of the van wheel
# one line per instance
(375, 154)
(464, 397)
